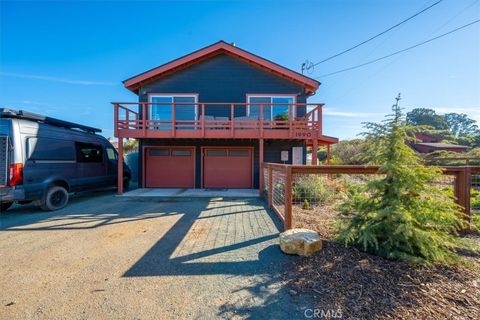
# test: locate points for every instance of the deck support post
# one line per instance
(115, 119)
(462, 190)
(270, 186)
(328, 153)
(261, 180)
(288, 198)
(120, 167)
(315, 151)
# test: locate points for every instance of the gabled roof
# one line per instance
(220, 47)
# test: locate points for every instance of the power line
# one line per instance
(376, 36)
(370, 76)
(400, 51)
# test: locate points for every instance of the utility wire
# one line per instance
(376, 36)
(400, 51)
(370, 76)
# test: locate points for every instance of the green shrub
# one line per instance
(306, 205)
(475, 204)
(475, 199)
(311, 188)
(476, 221)
(279, 191)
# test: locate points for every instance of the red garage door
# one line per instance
(227, 168)
(170, 167)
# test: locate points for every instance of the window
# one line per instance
(217, 153)
(158, 152)
(273, 106)
(239, 153)
(180, 152)
(50, 149)
(89, 152)
(185, 108)
(111, 154)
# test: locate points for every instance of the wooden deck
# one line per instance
(133, 120)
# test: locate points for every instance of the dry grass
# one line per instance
(319, 218)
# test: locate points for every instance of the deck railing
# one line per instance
(196, 120)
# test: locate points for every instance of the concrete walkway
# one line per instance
(108, 257)
(192, 193)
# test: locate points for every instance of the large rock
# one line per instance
(303, 242)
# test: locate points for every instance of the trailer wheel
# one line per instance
(5, 205)
(55, 198)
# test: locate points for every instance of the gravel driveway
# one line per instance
(111, 257)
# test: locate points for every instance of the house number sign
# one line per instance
(303, 134)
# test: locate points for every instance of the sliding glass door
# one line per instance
(185, 109)
(274, 107)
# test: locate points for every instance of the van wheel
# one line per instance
(5, 205)
(56, 198)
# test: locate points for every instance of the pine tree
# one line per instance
(402, 215)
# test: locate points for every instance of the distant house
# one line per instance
(426, 143)
(210, 118)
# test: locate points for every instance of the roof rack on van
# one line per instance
(21, 114)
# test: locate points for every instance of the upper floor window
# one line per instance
(185, 107)
(274, 107)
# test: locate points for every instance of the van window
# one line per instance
(89, 152)
(50, 149)
(5, 125)
(111, 154)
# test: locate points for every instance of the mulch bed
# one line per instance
(363, 286)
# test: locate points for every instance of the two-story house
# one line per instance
(210, 119)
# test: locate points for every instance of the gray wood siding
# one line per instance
(272, 150)
(224, 79)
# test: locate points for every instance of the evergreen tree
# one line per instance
(403, 215)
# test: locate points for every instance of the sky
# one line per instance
(67, 59)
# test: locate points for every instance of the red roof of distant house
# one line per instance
(425, 137)
(220, 47)
(442, 145)
(426, 143)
